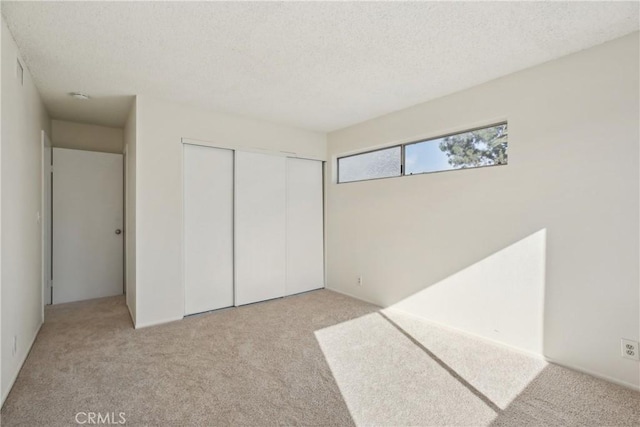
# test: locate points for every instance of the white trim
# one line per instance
(529, 353)
(593, 374)
(24, 359)
(45, 169)
(125, 219)
(157, 322)
(43, 191)
(352, 296)
(478, 124)
(234, 193)
(183, 282)
(538, 356)
(250, 149)
(133, 320)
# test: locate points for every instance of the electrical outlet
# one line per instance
(629, 349)
(14, 350)
(359, 280)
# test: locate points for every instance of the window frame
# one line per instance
(401, 146)
(403, 154)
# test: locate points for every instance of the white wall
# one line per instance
(81, 136)
(160, 127)
(130, 138)
(541, 254)
(23, 119)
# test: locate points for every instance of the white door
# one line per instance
(305, 251)
(260, 227)
(208, 228)
(87, 225)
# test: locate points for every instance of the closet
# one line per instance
(253, 227)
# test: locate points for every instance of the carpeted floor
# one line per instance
(319, 358)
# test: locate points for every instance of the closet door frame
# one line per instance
(235, 148)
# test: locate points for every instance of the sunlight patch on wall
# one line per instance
(500, 297)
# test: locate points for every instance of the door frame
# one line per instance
(125, 218)
(46, 220)
(121, 227)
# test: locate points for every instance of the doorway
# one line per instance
(87, 201)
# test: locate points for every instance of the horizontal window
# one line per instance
(471, 149)
(372, 165)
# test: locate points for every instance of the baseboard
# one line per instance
(352, 296)
(470, 334)
(133, 319)
(521, 350)
(501, 344)
(157, 322)
(24, 359)
(593, 374)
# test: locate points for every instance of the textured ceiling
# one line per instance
(319, 66)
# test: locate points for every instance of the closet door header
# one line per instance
(247, 149)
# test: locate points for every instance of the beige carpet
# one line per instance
(315, 359)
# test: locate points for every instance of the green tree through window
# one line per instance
(482, 147)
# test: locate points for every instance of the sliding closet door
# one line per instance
(260, 227)
(208, 228)
(305, 252)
